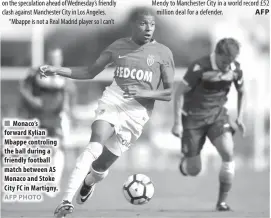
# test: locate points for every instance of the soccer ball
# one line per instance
(138, 189)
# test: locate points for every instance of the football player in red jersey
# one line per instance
(126, 105)
(199, 112)
(50, 101)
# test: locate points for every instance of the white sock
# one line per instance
(95, 176)
(83, 163)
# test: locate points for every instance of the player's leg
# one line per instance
(220, 135)
(98, 168)
(111, 151)
(98, 171)
(192, 142)
(101, 132)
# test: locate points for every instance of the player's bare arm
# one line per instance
(239, 85)
(188, 82)
(182, 88)
(80, 73)
(160, 95)
(25, 90)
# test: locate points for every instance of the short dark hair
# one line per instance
(229, 47)
(140, 11)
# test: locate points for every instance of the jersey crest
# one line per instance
(150, 60)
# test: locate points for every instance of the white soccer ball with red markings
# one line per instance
(138, 189)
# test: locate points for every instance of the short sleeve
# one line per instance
(167, 66)
(112, 48)
(168, 60)
(193, 75)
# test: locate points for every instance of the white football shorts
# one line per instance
(127, 115)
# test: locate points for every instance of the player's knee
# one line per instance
(96, 135)
(193, 165)
(227, 171)
(227, 155)
(225, 146)
(193, 170)
(101, 131)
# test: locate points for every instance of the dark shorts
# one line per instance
(193, 139)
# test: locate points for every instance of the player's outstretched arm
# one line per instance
(80, 73)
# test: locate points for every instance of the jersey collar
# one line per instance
(151, 42)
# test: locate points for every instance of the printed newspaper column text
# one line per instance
(209, 7)
(58, 12)
(28, 171)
